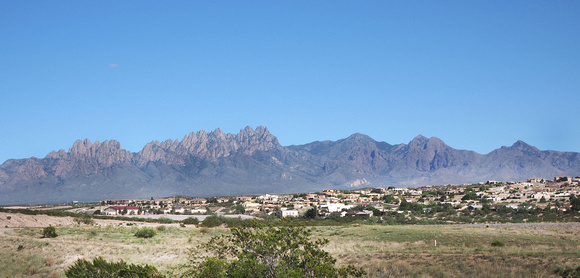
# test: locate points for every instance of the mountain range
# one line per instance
(254, 162)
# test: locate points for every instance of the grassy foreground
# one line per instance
(533, 250)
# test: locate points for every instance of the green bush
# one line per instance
(161, 228)
(212, 221)
(191, 220)
(568, 272)
(497, 243)
(101, 268)
(145, 233)
(164, 220)
(49, 232)
(255, 250)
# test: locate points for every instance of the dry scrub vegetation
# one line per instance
(384, 251)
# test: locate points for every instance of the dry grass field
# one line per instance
(531, 250)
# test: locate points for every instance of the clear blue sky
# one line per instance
(477, 74)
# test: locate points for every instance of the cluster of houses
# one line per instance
(536, 192)
(172, 205)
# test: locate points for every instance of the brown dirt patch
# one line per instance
(18, 220)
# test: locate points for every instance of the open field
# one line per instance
(531, 250)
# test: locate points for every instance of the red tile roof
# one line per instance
(123, 207)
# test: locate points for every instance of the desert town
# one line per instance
(534, 193)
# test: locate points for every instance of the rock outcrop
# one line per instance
(211, 146)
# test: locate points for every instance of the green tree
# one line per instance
(575, 202)
(470, 195)
(485, 207)
(239, 209)
(389, 199)
(376, 211)
(255, 250)
(311, 213)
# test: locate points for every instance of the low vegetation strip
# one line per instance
(530, 250)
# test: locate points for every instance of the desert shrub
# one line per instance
(145, 233)
(49, 232)
(84, 219)
(233, 221)
(101, 268)
(164, 220)
(497, 243)
(8, 217)
(161, 228)
(20, 247)
(568, 272)
(191, 220)
(49, 261)
(254, 250)
(181, 225)
(212, 221)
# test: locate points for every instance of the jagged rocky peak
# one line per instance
(249, 136)
(57, 154)
(86, 147)
(256, 140)
(218, 134)
(80, 148)
(150, 149)
(169, 144)
(106, 153)
(210, 145)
